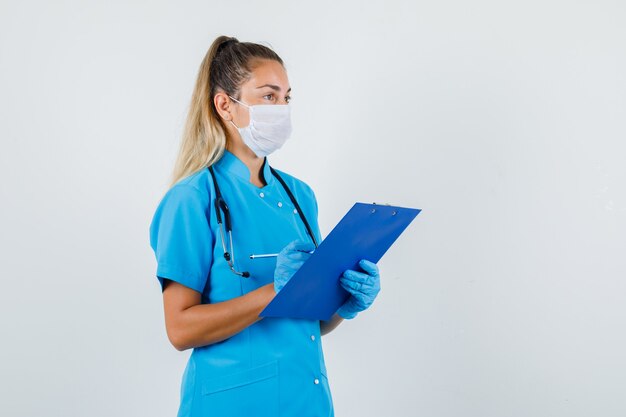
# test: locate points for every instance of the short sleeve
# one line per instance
(181, 237)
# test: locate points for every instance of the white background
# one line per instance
(504, 121)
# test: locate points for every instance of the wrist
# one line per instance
(346, 313)
(271, 289)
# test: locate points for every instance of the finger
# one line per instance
(303, 246)
(298, 245)
(358, 292)
(349, 285)
(291, 245)
(298, 256)
(368, 283)
(355, 275)
(369, 267)
(361, 287)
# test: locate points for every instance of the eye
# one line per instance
(287, 98)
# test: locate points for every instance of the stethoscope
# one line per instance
(221, 206)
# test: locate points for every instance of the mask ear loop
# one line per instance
(231, 121)
(239, 101)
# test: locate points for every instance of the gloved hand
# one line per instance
(289, 260)
(363, 287)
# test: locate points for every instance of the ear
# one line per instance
(222, 105)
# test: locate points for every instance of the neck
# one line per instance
(252, 161)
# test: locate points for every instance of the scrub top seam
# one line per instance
(199, 191)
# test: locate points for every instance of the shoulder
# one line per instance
(198, 181)
(191, 193)
(193, 186)
(184, 206)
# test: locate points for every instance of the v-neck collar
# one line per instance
(230, 163)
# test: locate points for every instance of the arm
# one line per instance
(328, 326)
(191, 324)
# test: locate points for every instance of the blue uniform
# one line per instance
(275, 367)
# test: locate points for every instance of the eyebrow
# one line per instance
(273, 87)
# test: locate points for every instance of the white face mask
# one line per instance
(269, 127)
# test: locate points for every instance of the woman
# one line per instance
(213, 291)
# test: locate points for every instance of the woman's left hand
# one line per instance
(363, 287)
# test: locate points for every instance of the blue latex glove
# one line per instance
(363, 287)
(289, 260)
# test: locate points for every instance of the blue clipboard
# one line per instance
(367, 231)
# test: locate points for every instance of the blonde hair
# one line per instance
(226, 66)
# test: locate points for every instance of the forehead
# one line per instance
(268, 72)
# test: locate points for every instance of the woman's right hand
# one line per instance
(289, 260)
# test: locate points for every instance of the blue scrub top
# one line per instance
(274, 367)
